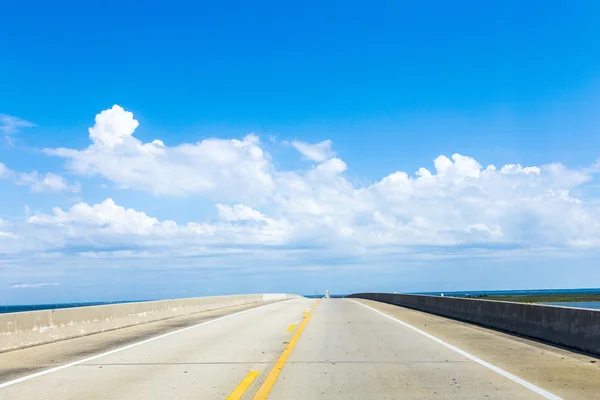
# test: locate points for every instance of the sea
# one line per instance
(579, 304)
(37, 307)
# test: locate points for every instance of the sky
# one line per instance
(199, 148)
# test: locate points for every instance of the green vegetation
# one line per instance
(543, 298)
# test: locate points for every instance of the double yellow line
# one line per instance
(270, 380)
(239, 391)
(267, 385)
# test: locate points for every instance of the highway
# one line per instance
(300, 349)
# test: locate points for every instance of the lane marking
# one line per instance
(267, 385)
(291, 328)
(72, 364)
(239, 391)
(522, 382)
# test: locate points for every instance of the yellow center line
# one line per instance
(291, 327)
(243, 386)
(267, 385)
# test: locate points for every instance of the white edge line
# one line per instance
(129, 346)
(471, 357)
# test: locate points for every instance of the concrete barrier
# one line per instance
(576, 328)
(25, 329)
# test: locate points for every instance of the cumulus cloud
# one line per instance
(459, 203)
(456, 202)
(107, 224)
(318, 152)
(214, 168)
(112, 127)
(38, 183)
(107, 216)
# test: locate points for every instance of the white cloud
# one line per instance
(107, 217)
(517, 169)
(113, 126)
(215, 168)
(38, 183)
(5, 172)
(5, 234)
(33, 285)
(331, 167)
(49, 182)
(10, 124)
(107, 224)
(455, 203)
(239, 212)
(318, 152)
(460, 203)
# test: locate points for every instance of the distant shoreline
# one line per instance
(531, 296)
(542, 298)
(513, 293)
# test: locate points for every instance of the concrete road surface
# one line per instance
(300, 349)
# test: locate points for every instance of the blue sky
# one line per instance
(337, 98)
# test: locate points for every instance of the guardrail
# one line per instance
(576, 328)
(30, 328)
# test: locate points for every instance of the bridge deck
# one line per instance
(344, 349)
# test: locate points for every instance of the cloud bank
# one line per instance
(455, 203)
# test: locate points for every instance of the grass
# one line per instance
(543, 298)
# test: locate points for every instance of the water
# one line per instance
(37, 307)
(595, 305)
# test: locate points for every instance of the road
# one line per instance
(300, 349)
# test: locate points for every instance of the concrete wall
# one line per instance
(24, 329)
(571, 327)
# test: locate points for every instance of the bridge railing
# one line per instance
(25, 329)
(576, 328)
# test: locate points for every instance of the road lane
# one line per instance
(206, 362)
(350, 352)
